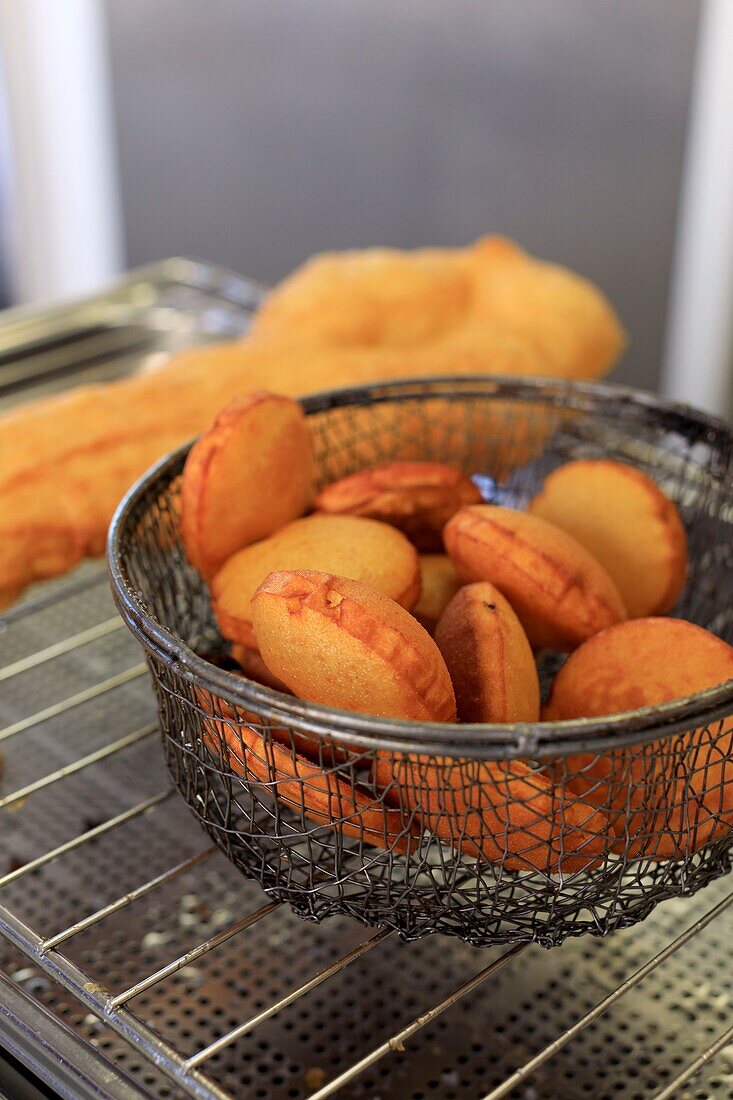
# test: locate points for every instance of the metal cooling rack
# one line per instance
(136, 962)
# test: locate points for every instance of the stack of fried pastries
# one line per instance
(341, 319)
(344, 607)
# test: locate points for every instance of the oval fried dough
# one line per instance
(560, 593)
(320, 794)
(343, 644)
(673, 794)
(501, 812)
(417, 497)
(254, 668)
(489, 658)
(252, 472)
(364, 549)
(622, 517)
(439, 583)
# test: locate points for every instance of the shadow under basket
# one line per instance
(496, 834)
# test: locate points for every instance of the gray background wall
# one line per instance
(255, 132)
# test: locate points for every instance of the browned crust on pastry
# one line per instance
(374, 551)
(225, 507)
(417, 497)
(667, 798)
(360, 613)
(489, 658)
(562, 595)
(623, 517)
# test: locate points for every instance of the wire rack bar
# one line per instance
(84, 838)
(552, 1048)
(90, 348)
(88, 374)
(397, 1041)
(66, 645)
(191, 956)
(288, 999)
(72, 701)
(78, 765)
(48, 599)
(126, 899)
(97, 1000)
(63, 1060)
(689, 1072)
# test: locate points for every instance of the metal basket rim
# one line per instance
(480, 741)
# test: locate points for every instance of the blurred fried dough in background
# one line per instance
(340, 319)
(489, 300)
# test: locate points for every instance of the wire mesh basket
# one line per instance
(495, 834)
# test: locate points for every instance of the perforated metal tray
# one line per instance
(134, 961)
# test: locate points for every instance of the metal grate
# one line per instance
(124, 931)
(147, 316)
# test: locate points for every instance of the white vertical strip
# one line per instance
(698, 362)
(64, 225)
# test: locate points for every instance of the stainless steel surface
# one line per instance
(531, 1067)
(64, 705)
(127, 899)
(84, 837)
(272, 1010)
(127, 941)
(724, 1040)
(33, 660)
(77, 766)
(397, 1042)
(54, 1053)
(191, 956)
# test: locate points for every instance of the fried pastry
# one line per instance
(559, 591)
(65, 461)
(315, 790)
(503, 812)
(251, 473)
(489, 658)
(622, 517)
(343, 644)
(254, 668)
(490, 300)
(417, 497)
(365, 549)
(439, 583)
(669, 796)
